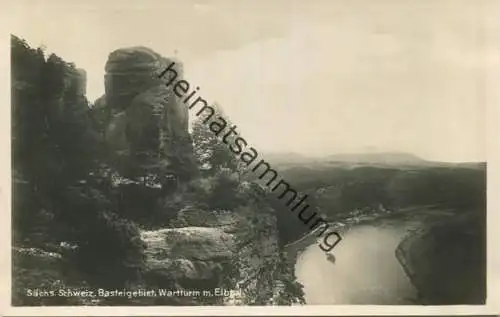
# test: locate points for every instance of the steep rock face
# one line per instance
(143, 122)
(191, 257)
(447, 262)
(264, 276)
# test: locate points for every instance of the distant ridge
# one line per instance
(362, 158)
(288, 158)
(380, 159)
(377, 158)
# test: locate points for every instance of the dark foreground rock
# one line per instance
(191, 258)
(447, 261)
(35, 270)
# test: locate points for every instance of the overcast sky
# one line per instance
(313, 77)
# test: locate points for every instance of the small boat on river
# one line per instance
(330, 257)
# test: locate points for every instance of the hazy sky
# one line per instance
(314, 77)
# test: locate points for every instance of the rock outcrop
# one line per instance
(143, 122)
(191, 216)
(191, 257)
(447, 262)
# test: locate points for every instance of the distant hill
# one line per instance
(289, 158)
(377, 158)
(353, 160)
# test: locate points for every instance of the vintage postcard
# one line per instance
(251, 157)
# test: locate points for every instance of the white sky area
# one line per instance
(312, 77)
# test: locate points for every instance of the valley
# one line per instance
(411, 234)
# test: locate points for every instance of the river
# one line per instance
(365, 271)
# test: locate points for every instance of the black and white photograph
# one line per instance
(251, 153)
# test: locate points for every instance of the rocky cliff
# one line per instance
(143, 122)
(446, 262)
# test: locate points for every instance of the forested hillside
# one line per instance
(340, 191)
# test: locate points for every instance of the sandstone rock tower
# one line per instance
(145, 124)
